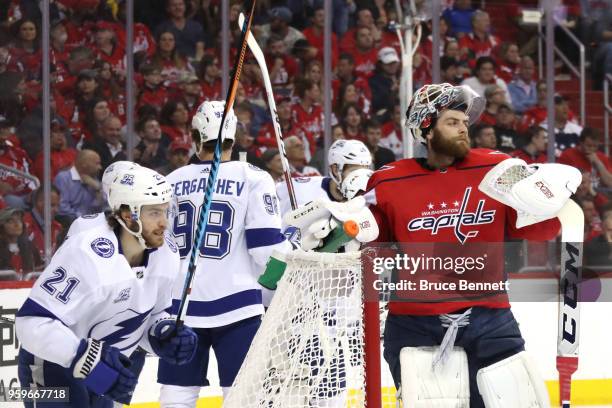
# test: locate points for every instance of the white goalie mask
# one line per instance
(135, 188)
(429, 101)
(355, 182)
(344, 152)
(111, 172)
(207, 121)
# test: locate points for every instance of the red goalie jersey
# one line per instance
(415, 204)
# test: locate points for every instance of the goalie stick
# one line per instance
(572, 235)
(261, 61)
(212, 178)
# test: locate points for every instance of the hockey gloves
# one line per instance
(104, 370)
(174, 345)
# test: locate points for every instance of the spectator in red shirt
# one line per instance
(283, 68)
(62, 156)
(174, 118)
(314, 35)
(152, 92)
(495, 96)
(79, 59)
(587, 157)
(364, 54)
(107, 143)
(296, 155)
(210, 76)
(427, 43)
(536, 114)
(364, 19)
(109, 85)
(172, 63)
(345, 74)
(352, 122)
(535, 149)
(59, 50)
(478, 43)
(16, 251)
(191, 92)
(108, 48)
(178, 156)
(307, 112)
(13, 187)
(586, 189)
(96, 112)
(314, 72)
(144, 43)
(508, 62)
(26, 46)
(34, 221)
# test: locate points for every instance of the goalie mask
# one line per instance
(138, 187)
(344, 152)
(429, 101)
(207, 121)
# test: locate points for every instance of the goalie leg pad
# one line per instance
(447, 386)
(512, 382)
(175, 396)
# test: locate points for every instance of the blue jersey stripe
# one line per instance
(32, 308)
(259, 237)
(199, 308)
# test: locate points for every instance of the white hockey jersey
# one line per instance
(89, 290)
(243, 230)
(86, 222)
(306, 189)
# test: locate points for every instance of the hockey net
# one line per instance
(309, 350)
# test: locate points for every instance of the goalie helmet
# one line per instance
(344, 152)
(355, 182)
(136, 187)
(111, 172)
(429, 101)
(207, 121)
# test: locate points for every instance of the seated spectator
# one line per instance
(62, 156)
(16, 251)
(14, 188)
(483, 136)
(523, 88)
(303, 52)
(244, 143)
(345, 74)
(349, 93)
(535, 114)
(567, 132)
(273, 165)
(152, 92)
(210, 76)
(13, 89)
(280, 17)
(592, 220)
(296, 155)
(318, 159)
(144, 43)
(79, 59)
(188, 34)
(151, 151)
(352, 121)
(283, 67)
(598, 251)
(449, 71)
(313, 70)
(508, 62)
(108, 48)
(79, 187)
(587, 157)
(480, 42)
(586, 189)
(364, 18)
(174, 120)
(484, 75)
(252, 83)
(110, 88)
(178, 156)
(314, 35)
(452, 50)
(459, 17)
(380, 155)
(385, 80)
(392, 136)
(494, 96)
(427, 43)
(26, 47)
(307, 111)
(96, 112)
(172, 62)
(34, 221)
(365, 53)
(190, 92)
(535, 149)
(508, 139)
(108, 143)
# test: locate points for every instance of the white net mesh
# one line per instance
(309, 349)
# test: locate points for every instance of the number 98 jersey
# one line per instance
(243, 228)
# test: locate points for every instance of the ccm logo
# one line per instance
(545, 190)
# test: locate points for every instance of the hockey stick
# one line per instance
(261, 61)
(572, 235)
(212, 178)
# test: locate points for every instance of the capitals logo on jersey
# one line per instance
(453, 215)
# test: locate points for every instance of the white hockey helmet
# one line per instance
(355, 182)
(136, 187)
(343, 152)
(430, 100)
(111, 172)
(207, 121)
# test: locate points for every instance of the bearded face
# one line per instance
(449, 137)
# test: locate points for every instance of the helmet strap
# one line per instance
(137, 235)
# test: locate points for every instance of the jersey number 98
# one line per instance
(218, 236)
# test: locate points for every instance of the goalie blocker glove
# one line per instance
(104, 370)
(174, 345)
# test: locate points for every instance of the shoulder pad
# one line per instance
(253, 167)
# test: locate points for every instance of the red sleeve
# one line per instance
(384, 231)
(542, 231)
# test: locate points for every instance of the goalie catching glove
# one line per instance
(537, 192)
(174, 345)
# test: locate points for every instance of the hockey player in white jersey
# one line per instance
(243, 229)
(104, 293)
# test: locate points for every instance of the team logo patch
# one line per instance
(103, 247)
(128, 180)
(123, 295)
(171, 244)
